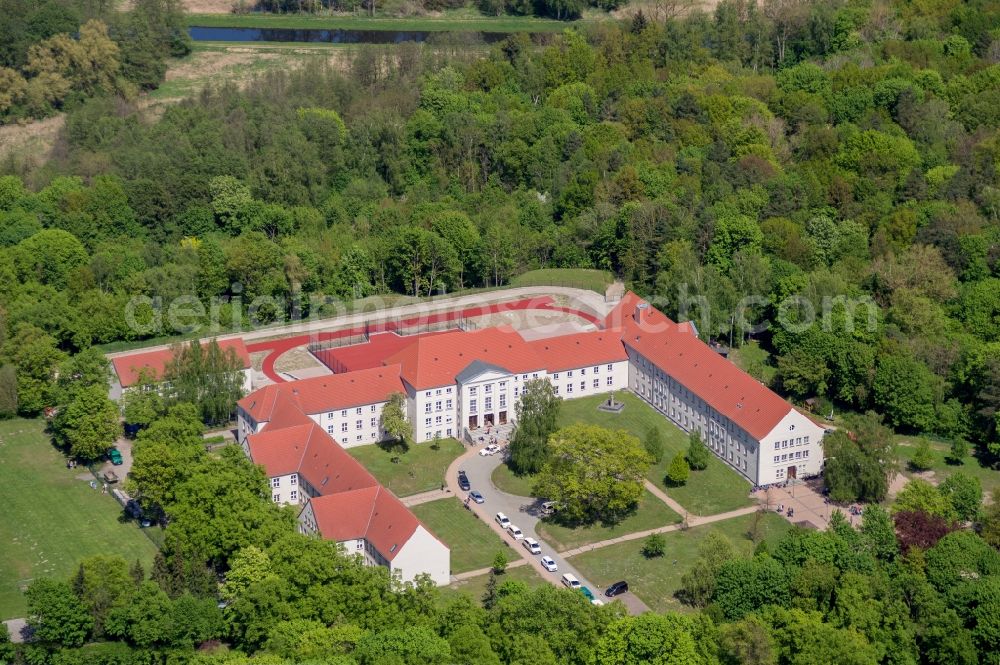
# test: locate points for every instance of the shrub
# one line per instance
(654, 546)
(678, 472)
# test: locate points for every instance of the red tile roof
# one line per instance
(324, 393)
(676, 350)
(435, 360)
(367, 355)
(128, 367)
(373, 513)
(579, 350)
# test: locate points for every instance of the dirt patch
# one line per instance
(295, 359)
(257, 360)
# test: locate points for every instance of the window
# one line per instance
(609, 368)
(343, 426)
(448, 391)
(373, 408)
(357, 424)
(556, 375)
(472, 406)
(569, 373)
(488, 388)
(275, 482)
(294, 496)
(344, 440)
(329, 429)
(437, 420)
(489, 403)
(437, 405)
(597, 368)
(516, 391)
(427, 422)
(427, 394)
(472, 390)
(583, 371)
(805, 453)
(427, 407)
(583, 386)
(503, 385)
(776, 459)
(276, 498)
(449, 431)
(556, 390)
(360, 545)
(373, 422)
(503, 400)
(805, 440)
(437, 392)
(343, 414)
(357, 438)
(798, 441)
(798, 454)
(448, 404)
(777, 445)
(358, 411)
(437, 435)
(611, 380)
(330, 415)
(525, 376)
(534, 375)
(294, 479)
(569, 387)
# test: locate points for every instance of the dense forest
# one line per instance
(54, 54)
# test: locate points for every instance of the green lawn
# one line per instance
(476, 586)
(656, 580)
(650, 514)
(419, 469)
(988, 476)
(506, 480)
(473, 544)
(51, 520)
(755, 361)
(581, 278)
(456, 22)
(716, 489)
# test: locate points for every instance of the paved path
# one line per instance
(425, 497)
(522, 511)
(662, 496)
(17, 629)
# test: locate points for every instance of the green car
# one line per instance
(115, 456)
(587, 592)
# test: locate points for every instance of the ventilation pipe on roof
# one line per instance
(640, 312)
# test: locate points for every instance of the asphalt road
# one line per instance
(525, 513)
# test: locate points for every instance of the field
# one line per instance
(473, 544)
(453, 21)
(581, 278)
(52, 519)
(419, 469)
(716, 489)
(650, 514)
(990, 478)
(656, 581)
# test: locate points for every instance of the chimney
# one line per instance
(640, 312)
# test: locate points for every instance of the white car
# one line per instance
(597, 601)
(502, 520)
(570, 581)
(491, 449)
(549, 564)
(532, 545)
(515, 532)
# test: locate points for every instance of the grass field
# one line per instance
(716, 489)
(476, 586)
(473, 544)
(755, 361)
(650, 514)
(52, 520)
(454, 22)
(989, 477)
(419, 469)
(580, 278)
(656, 581)
(506, 480)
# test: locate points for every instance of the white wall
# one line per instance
(343, 424)
(438, 405)
(285, 489)
(423, 553)
(795, 441)
(580, 381)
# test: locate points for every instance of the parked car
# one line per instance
(514, 532)
(597, 601)
(502, 520)
(476, 496)
(570, 581)
(491, 449)
(532, 546)
(549, 564)
(616, 589)
(549, 508)
(587, 592)
(115, 456)
(463, 481)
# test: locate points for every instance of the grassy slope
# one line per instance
(656, 580)
(449, 22)
(51, 520)
(717, 489)
(473, 545)
(652, 513)
(581, 278)
(419, 469)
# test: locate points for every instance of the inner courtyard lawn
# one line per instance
(650, 514)
(655, 581)
(419, 469)
(51, 519)
(716, 489)
(473, 544)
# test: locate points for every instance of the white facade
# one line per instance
(590, 379)
(795, 442)
(355, 426)
(432, 412)
(285, 490)
(422, 553)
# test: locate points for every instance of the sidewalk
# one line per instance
(425, 497)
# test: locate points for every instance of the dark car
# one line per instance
(463, 481)
(616, 589)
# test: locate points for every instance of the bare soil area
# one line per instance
(295, 359)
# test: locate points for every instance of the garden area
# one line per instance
(650, 514)
(417, 468)
(473, 544)
(52, 516)
(716, 489)
(656, 580)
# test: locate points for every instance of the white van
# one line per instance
(514, 532)
(570, 581)
(502, 520)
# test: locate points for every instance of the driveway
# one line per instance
(525, 513)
